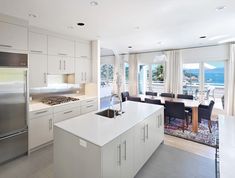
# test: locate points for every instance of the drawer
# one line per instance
(40, 113)
(66, 106)
(89, 101)
(89, 108)
(66, 114)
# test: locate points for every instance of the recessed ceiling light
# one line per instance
(137, 28)
(94, 3)
(159, 43)
(202, 37)
(220, 8)
(130, 47)
(80, 24)
(32, 15)
(227, 40)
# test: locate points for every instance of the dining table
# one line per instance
(193, 104)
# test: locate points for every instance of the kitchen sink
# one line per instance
(108, 113)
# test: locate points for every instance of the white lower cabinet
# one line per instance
(117, 157)
(40, 130)
(122, 157)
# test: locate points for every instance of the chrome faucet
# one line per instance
(120, 102)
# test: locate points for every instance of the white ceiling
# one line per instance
(174, 23)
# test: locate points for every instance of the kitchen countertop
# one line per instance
(101, 130)
(37, 105)
(227, 146)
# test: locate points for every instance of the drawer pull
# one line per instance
(35, 51)
(62, 54)
(89, 101)
(90, 106)
(41, 112)
(68, 112)
(6, 46)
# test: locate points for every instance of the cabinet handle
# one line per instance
(147, 130)
(85, 76)
(144, 133)
(90, 106)
(45, 78)
(160, 116)
(50, 124)
(60, 65)
(40, 112)
(124, 149)
(83, 56)
(64, 64)
(89, 101)
(35, 51)
(82, 76)
(68, 112)
(119, 155)
(62, 54)
(6, 46)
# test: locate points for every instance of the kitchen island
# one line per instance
(94, 146)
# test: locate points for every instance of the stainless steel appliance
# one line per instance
(13, 106)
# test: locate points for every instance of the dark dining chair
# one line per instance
(125, 96)
(169, 95)
(204, 112)
(150, 93)
(153, 101)
(182, 96)
(176, 110)
(134, 98)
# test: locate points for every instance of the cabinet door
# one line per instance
(37, 43)
(79, 71)
(59, 46)
(139, 142)
(55, 65)
(40, 131)
(37, 70)
(68, 65)
(111, 159)
(13, 36)
(127, 141)
(151, 136)
(83, 50)
(87, 70)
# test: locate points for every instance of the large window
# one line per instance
(126, 74)
(205, 81)
(106, 73)
(151, 78)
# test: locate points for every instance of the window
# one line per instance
(205, 81)
(106, 73)
(151, 78)
(126, 71)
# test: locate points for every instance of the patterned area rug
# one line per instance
(203, 136)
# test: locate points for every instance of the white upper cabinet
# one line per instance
(82, 50)
(37, 43)
(13, 37)
(82, 70)
(61, 47)
(60, 65)
(37, 70)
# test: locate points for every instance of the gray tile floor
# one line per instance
(166, 162)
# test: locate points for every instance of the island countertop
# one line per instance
(100, 130)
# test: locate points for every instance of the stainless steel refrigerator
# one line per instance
(13, 106)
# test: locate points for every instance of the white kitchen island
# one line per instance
(93, 146)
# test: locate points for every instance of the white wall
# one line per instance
(212, 53)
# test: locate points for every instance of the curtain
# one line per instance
(133, 74)
(174, 72)
(229, 100)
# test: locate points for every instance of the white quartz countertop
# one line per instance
(227, 146)
(101, 130)
(36, 105)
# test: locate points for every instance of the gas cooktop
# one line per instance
(54, 100)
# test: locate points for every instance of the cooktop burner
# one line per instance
(54, 100)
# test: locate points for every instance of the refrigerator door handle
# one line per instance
(13, 135)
